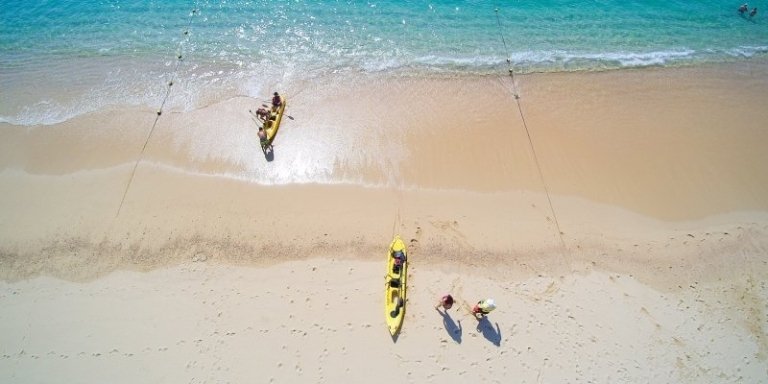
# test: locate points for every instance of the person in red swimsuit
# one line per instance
(446, 302)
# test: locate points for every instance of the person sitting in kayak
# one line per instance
(277, 101)
(399, 257)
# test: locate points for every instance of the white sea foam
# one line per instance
(747, 51)
(200, 83)
(557, 59)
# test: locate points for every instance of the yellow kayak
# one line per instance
(272, 127)
(394, 302)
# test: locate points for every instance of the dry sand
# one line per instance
(630, 245)
(321, 321)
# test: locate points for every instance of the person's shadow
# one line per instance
(453, 328)
(492, 334)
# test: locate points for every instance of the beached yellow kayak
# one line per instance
(394, 302)
(275, 125)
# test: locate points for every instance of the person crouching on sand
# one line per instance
(262, 114)
(483, 308)
(446, 302)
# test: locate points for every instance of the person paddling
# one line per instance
(277, 101)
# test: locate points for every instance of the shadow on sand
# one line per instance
(269, 154)
(453, 328)
(492, 334)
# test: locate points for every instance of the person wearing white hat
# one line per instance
(483, 308)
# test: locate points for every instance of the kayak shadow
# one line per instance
(491, 334)
(453, 328)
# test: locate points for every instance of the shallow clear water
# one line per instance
(59, 59)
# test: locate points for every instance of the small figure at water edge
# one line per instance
(263, 139)
(753, 12)
(483, 308)
(744, 7)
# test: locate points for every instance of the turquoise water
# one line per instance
(59, 59)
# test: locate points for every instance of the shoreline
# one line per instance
(190, 96)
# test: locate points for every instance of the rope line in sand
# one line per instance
(179, 57)
(395, 223)
(528, 134)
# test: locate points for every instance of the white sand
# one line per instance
(321, 321)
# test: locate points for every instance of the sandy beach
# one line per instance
(618, 218)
